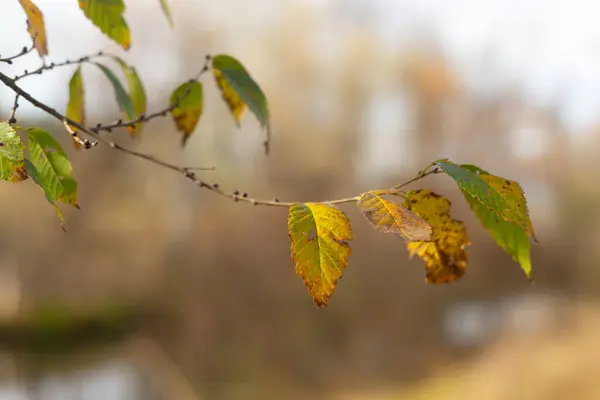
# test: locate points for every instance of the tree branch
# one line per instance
(120, 123)
(187, 172)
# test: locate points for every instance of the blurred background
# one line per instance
(160, 290)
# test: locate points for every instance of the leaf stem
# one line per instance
(422, 174)
(12, 119)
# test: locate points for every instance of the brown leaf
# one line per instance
(445, 258)
(389, 217)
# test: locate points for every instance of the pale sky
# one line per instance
(551, 48)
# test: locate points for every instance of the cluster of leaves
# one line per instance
(319, 233)
(48, 164)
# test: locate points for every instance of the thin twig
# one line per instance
(24, 51)
(46, 67)
(199, 168)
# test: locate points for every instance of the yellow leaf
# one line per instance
(319, 235)
(76, 105)
(230, 96)
(189, 100)
(389, 217)
(444, 256)
(108, 16)
(167, 12)
(35, 26)
(137, 94)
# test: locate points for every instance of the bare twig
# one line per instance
(47, 67)
(24, 51)
(199, 168)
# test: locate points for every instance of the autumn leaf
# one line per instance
(76, 105)
(499, 195)
(389, 217)
(107, 15)
(444, 256)
(137, 94)
(35, 26)
(52, 166)
(319, 235)
(239, 89)
(500, 206)
(12, 155)
(164, 5)
(123, 99)
(189, 100)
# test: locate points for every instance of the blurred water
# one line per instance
(114, 378)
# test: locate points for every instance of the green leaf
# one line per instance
(189, 100)
(52, 166)
(500, 195)
(107, 15)
(34, 175)
(500, 206)
(509, 236)
(164, 5)
(12, 155)
(319, 235)
(76, 106)
(123, 99)
(36, 26)
(239, 89)
(137, 93)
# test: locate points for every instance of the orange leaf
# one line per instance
(35, 26)
(444, 256)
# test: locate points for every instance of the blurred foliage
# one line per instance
(53, 328)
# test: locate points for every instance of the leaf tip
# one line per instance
(320, 303)
(184, 139)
